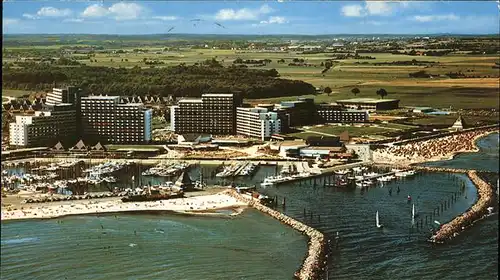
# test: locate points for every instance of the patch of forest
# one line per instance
(178, 81)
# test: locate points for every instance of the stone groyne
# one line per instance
(313, 264)
(474, 213)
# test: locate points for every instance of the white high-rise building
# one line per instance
(44, 128)
(257, 122)
(60, 95)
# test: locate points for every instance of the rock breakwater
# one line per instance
(476, 212)
(313, 265)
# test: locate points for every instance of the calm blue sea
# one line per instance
(254, 246)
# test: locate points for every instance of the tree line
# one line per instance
(178, 81)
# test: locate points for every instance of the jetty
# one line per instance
(238, 169)
(313, 264)
(473, 214)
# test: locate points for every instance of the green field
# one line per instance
(440, 92)
(15, 92)
(373, 131)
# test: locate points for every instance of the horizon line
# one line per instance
(275, 34)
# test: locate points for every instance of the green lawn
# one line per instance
(437, 97)
(353, 131)
(450, 119)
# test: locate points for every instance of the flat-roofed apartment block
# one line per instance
(370, 104)
(45, 128)
(257, 122)
(60, 95)
(213, 113)
(105, 119)
(332, 113)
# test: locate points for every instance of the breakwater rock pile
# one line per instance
(476, 212)
(313, 264)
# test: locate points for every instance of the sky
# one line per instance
(251, 17)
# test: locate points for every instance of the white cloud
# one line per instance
(30, 16)
(375, 8)
(9, 21)
(378, 7)
(73, 20)
(95, 10)
(243, 14)
(53, 12)
(429, 18)
(376, 23)
(126, 11)
(275, 20)
(165, 18)
(119, 11)
(352, 11)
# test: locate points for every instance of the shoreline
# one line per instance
(475, 213)
(205, 205)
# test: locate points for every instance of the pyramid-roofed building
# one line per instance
(459, 124)
(80, 146)
(98, 147)
(184, 182)
(58, 147)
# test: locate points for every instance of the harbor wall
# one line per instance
(476, 212)
(313, 264)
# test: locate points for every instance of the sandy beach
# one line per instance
(203, 204)
(444, 148)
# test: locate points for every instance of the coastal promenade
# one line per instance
(475, 213)
(314, 262)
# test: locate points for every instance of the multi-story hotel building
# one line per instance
(328, 113)
(370, 104)
(213, 113)
(257, 122)
(59, 95)
(45, 128)
(104, 119)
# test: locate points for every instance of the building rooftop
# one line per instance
(366, 100)
(190, 101)
(100, 97)
(217, 95)
(293, 143)
(131, 104)
(324, 148)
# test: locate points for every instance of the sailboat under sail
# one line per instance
(377, 220)
(413, 215)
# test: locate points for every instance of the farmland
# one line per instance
(476, 87)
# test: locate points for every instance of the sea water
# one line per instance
(254, 246)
